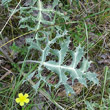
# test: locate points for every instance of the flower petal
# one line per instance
(21, 103)
(20, 95)
(69, 94)
(26, 95)
(17, 100)
(26, 101)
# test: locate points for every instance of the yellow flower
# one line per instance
(22, 99)
(69, 94)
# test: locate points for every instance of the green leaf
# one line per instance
(69, 89)
(89, 105)
(36, 86)
(64, 48)
(5, 2)
(77, 55)
(63, 71)
(92, 77)
(35, 15)
(55, 3)
(85, 65)
(15, 48)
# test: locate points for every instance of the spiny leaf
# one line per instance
(69, 89)
(80, 73)
(36, 86)
(35, 15)
(92, 77)
(5, 2)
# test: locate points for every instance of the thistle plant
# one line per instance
(33, 16)
(36, 15)
(57, 66)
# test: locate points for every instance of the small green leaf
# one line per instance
(36, 86)
(92, 77)
(69, 89)
(55, 3)
(5, 2)
(89, 105)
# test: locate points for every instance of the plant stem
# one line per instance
(105, 79)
